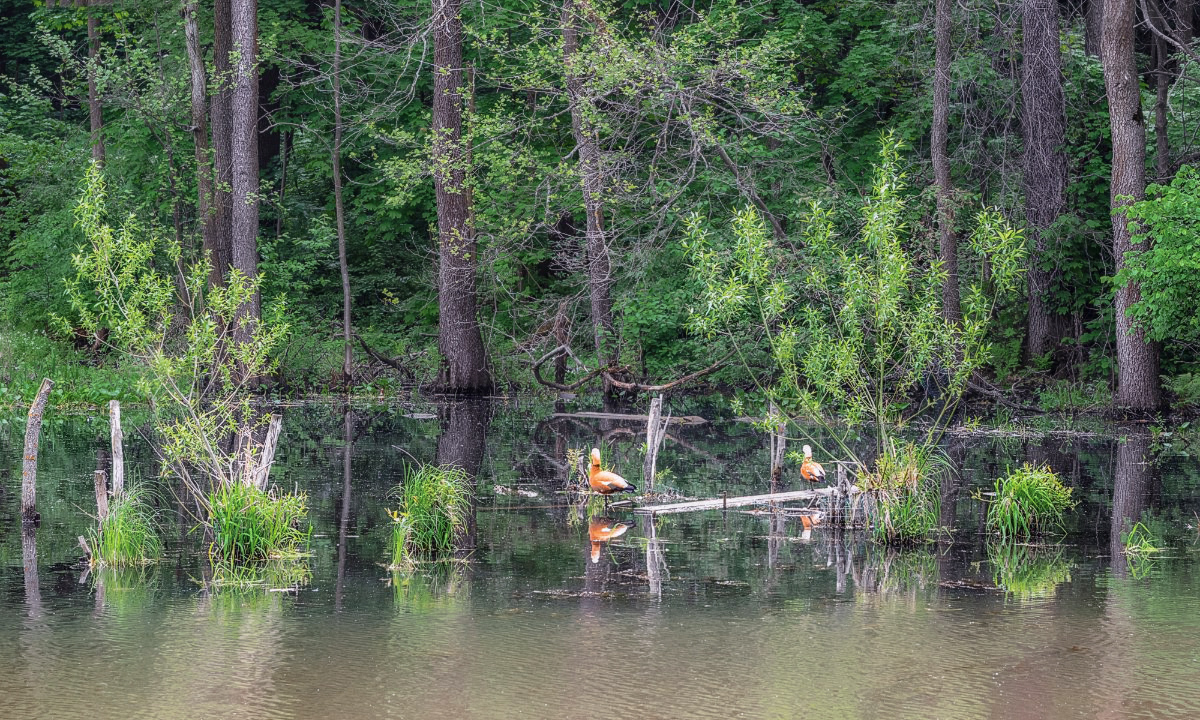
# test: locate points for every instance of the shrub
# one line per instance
(434, 506)
(251, 525)
(1029, 501)
(127, 536)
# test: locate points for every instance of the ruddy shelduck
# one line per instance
(601, 530)
(810, 470)
(605, 482)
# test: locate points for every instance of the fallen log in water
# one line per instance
(728, 502)
(681, 420)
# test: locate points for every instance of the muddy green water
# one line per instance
(702, 615)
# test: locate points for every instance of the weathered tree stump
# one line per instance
(118, 448)
(33, 430)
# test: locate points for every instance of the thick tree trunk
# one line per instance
(947, 243)
(1043, 124)
(95, 115)
(464, 359)
(1163, 68)
(204, 168)
(339, 207)
(245, 155)
(222, 141)
(591, 170)
(1137, 360)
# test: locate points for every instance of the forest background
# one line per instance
(444, 194)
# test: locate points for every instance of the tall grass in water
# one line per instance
(251, 525)
(435, 503)
(127, 535)
(1029, 501)
(905, 488)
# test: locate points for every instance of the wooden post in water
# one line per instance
(778, 446)
(656, 430)
(101, 497)
(33, 429)
(118, 449)
(261, 470)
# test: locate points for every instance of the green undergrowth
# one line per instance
(1028, 502)
(1068, 397)
(435, 504)
(253, 526)
(80, 380)
(127, 536)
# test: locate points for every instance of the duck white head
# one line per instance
(595, 456)
(808, 452)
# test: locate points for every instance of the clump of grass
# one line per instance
(905, 489)
(251, 525)
(1029, 501)
(127, 536)
(1067, 397)
(1141, 544)
(435, 502)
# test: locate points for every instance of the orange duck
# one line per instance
(809, 470)
(605, 482)
(601, 530)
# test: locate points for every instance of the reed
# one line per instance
(127, 535)
(435, 503)
(251, 525)
(1030, 501)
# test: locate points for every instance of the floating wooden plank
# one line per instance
(681, 420)
(722, 503)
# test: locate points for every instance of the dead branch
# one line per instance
(638, 387)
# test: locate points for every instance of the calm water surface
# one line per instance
(700, 615)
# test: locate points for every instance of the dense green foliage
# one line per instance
(1027, 502)
(700, 111)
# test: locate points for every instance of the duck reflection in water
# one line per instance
(601, 530)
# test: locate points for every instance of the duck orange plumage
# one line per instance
(605, 482)
(810, 470)
(601, 530)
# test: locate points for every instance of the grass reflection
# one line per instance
(429, 586)
(1028, 572)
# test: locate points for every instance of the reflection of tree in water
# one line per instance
(461, 444)
(1132, 489)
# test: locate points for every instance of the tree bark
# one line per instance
(33, 432)
(245, 157)
(204, 167)
(222, 141)
(464, 360)
(1163, 67)
(587, 146)
(1043, 124)
(1093, 27)
(95, 115)
(339, 207)
(947, 243)
(1137, 360)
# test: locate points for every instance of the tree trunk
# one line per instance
(1043, 123)
(245, 156)
(1137, 360)
(204, 168)
(464, 360)
(1163, 68)
(222, 142)
(33, 432)
(339, 207)
(947, 244)
(592, 171)
(95, 116)
(1093, 27)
